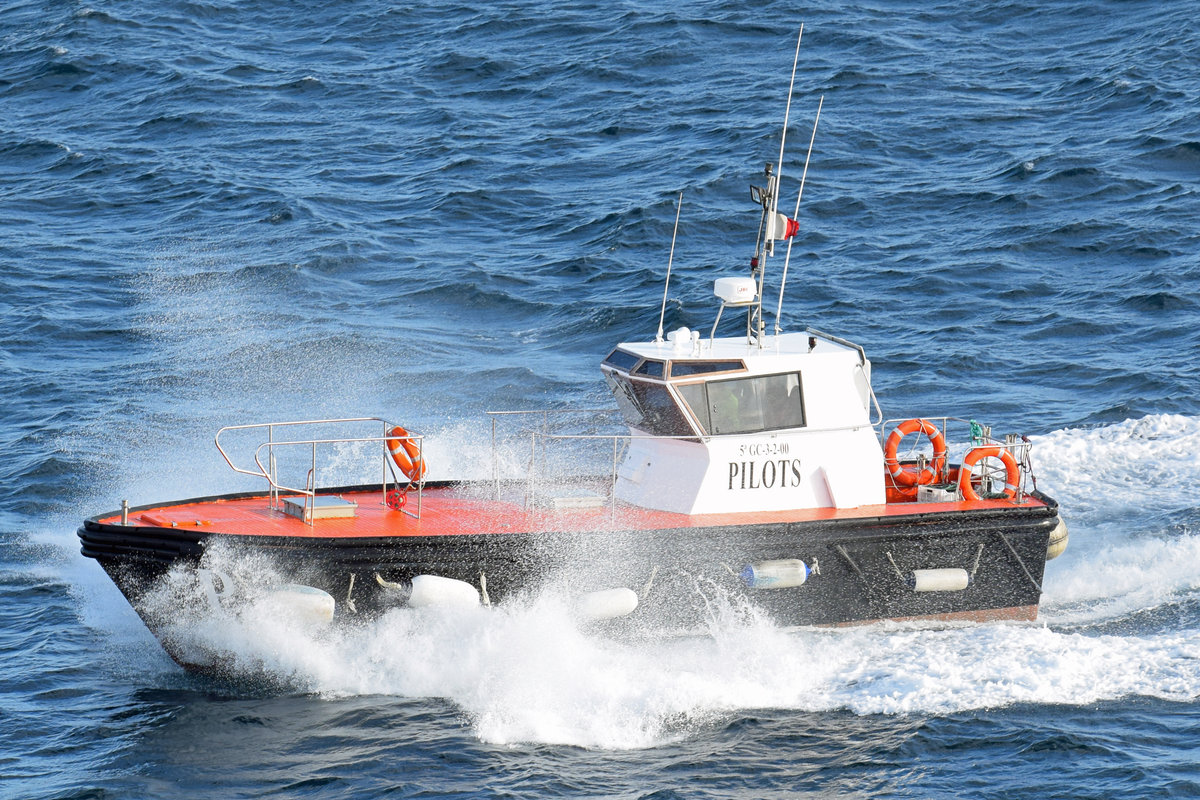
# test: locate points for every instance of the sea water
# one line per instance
(215, 213)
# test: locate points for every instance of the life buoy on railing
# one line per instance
(1012, 472)
(406, 453)
(907, 475)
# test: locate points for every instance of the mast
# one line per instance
(769, 198)
(787, 258)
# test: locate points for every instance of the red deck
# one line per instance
(445, 511)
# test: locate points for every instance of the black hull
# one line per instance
(865, 564)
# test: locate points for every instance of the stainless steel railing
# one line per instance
(546, 414)
(967, 435)
(270, 470)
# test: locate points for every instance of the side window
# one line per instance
(781, 402)
(651, 368)
(735, 406)
(696, 397)
(747, 405)
(682, 369)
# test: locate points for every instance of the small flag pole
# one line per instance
(663, 312)
(788, 255)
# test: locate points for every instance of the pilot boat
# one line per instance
(753, 466)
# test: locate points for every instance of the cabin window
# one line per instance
(649, 407)
(682, 369)
(747, 405)
(650, 368)
(621, 360)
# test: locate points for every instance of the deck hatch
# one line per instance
(320, 507)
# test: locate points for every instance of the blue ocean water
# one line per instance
(219, 212)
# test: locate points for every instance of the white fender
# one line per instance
(783, 573)
(307, 605)
(939, 580)
(1058, 540)
(434, 590)
(606, 604)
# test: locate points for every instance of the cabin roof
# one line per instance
(778, 351)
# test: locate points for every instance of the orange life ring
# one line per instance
(907, 475)
(406, 453)
(1012, 472)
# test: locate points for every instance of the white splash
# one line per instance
(529, 672)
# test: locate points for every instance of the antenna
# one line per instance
(786, 111)
(771, 206)
(803, 177)
(662, 313)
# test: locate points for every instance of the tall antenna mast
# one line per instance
(786, 112)
(803, 177)
(663, 312)
(771, 207)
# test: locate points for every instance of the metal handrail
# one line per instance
(270, 471)
(1019, 447)
(944, 422)
(874, 399)
(545, 414)
(862, 354)
(311, 493)
(270, 426)
(616, 439)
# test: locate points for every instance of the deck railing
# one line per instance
(962, 436)
(546, 461)
(270, 470)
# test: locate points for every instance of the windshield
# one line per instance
(649, 406)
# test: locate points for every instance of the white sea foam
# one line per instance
(1120, 487)
(529, 672)
(1130, 469)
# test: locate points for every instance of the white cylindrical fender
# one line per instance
(779, 574)
(434, 590)
(939, 580)
(1058, 540)
(606, 604)
(305, 604)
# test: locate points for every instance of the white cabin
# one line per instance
(785, 425)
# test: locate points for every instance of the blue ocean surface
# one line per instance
(224, 212)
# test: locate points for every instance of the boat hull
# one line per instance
(861, 568)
